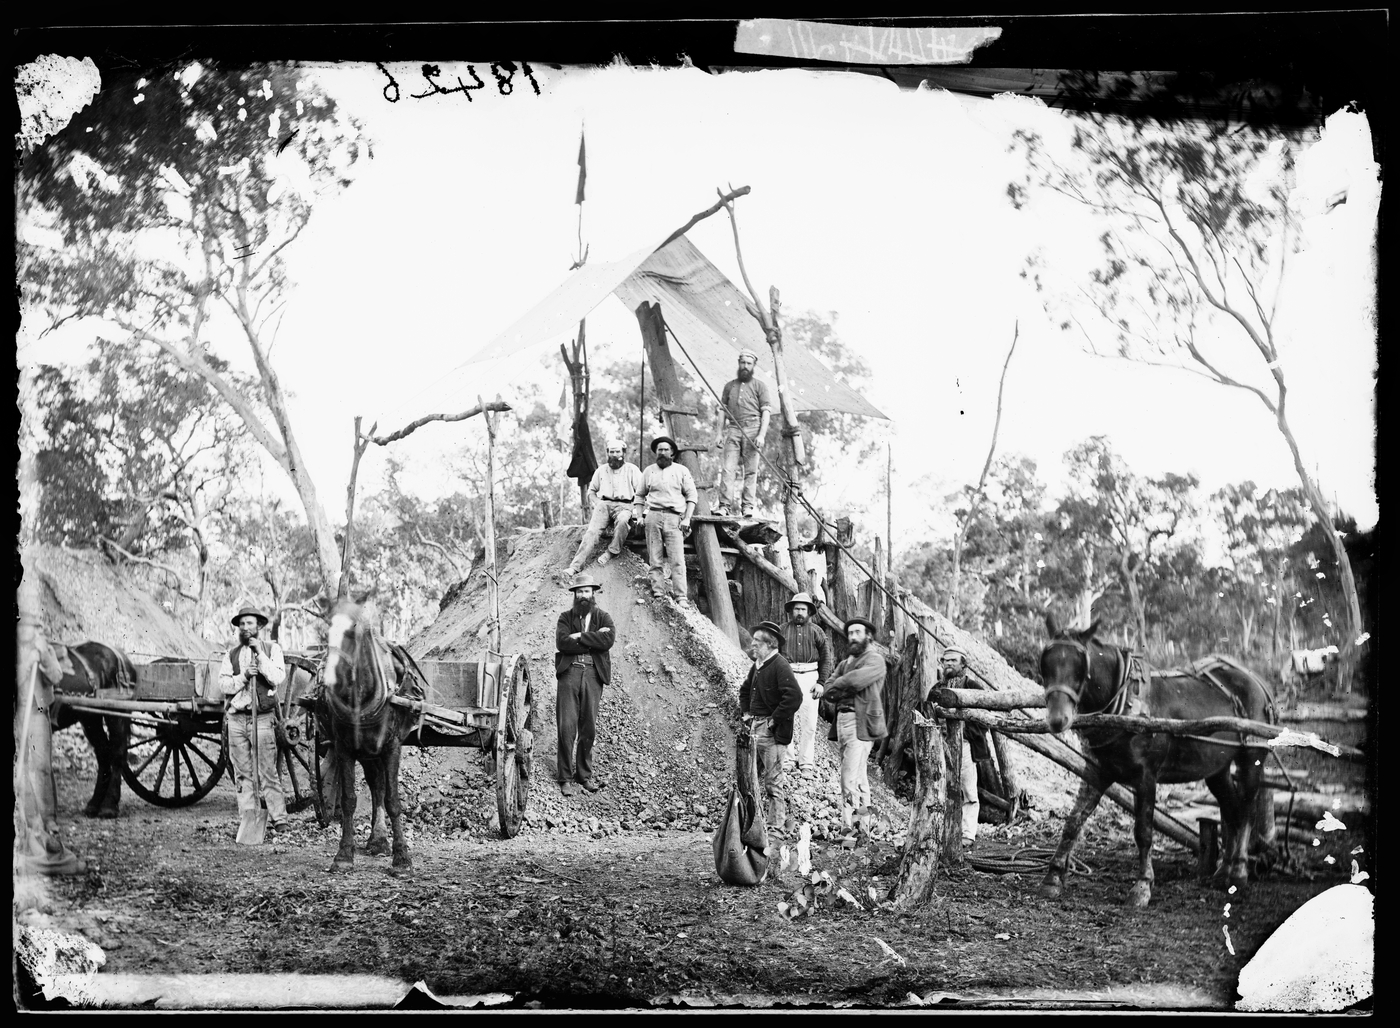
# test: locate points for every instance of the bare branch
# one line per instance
(724, 201)
(492, 405)
(133, 558)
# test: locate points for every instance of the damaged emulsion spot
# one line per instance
(50, 90)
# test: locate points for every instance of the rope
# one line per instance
(1022, 861)
(796, 491)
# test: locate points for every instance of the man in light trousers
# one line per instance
(611, 492)
(250, 674)
(855, 689)
(808, 652)
(667, 499)
(739, 435)
(952, 674)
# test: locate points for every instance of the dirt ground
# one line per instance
(639, 918)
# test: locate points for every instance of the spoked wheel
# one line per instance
(295, 758)
(514, 744)
(318, 753)
(174, 761)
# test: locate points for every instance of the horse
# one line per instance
(1085, 676)
(84, 669)
(354, 710)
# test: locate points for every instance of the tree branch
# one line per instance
(133, 558)
(724, 201)
(492, 405)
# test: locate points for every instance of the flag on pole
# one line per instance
(582, 170)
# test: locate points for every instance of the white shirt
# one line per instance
(270, 665)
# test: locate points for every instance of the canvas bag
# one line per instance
(740, 841)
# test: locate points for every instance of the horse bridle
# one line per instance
(344, 712)
(1070, 691)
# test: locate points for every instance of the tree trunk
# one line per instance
(669, 395)
(1084, 614)
(952, 812)
(1128, 568)
(1350, 630)
(924, 841)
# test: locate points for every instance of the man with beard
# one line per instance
(745, 409)
(808, 652)
(250, 674)
(855, 690)
(768, 699)
(952, 674)
(612, 490)
(667, 496)
(582, 666)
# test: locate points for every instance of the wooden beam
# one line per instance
(682, 428)
(991, 699)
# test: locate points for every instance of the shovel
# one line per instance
(252, 824)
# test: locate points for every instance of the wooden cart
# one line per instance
(178, 747)
(486, 704)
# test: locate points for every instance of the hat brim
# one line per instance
(262, 618)
(868, 626)
(663, 439)
(584, 585)
(810, 604)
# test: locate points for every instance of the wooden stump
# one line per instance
(952, 818)
(924, 843)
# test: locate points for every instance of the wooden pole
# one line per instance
(952, 817)
(1010, 781)
(794, 455)
(493, 588)
(991, 699)
(682, 428)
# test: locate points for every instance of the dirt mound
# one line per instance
(85, 597)
(665, 739)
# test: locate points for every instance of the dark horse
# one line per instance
(84, 669)
(361, 673)
(1084, 676)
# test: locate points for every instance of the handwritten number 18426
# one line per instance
(502, 71)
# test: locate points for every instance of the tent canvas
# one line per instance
(704, 309)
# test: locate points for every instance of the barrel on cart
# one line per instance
(486, 704)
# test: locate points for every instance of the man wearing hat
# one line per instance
(745, 409)
(952, 674)
(666, 498)
(768, 699)
(582, 665)
(808, 652)
(856, 689)
(612, 490)
(249, 676)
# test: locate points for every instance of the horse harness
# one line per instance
(1133, 675)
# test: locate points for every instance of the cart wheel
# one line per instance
(294, 760)
(514, 744)
(318, 750)
(174, 761)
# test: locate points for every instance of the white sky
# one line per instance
(887, 207)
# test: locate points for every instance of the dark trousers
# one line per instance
(576, 712)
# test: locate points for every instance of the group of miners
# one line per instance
(663, 498)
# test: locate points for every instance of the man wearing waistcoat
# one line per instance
(855, 689)
(249, 676)
(808, 652)
(582, 666)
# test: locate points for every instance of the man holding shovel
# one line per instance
(250, 674)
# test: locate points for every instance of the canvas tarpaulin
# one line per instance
(702, 307)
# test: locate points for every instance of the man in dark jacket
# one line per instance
(768, 699)
(583, 666)
(855, 689)
(952, 674)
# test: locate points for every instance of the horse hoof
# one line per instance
(1051, 891)
(1139, 895)
(107, 814)
(402, 864)
(341, 865)
(377, 847)
(90, 811)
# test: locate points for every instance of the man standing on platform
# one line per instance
(952, 674)
(611, 492)
(768, 699)
(808, 652)
(855, 689)
(582, 666)
(249, 676)
(746, 406)
(667, 498)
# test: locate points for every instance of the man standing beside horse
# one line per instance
(952, 674)
(250, 674)
(582, 665)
